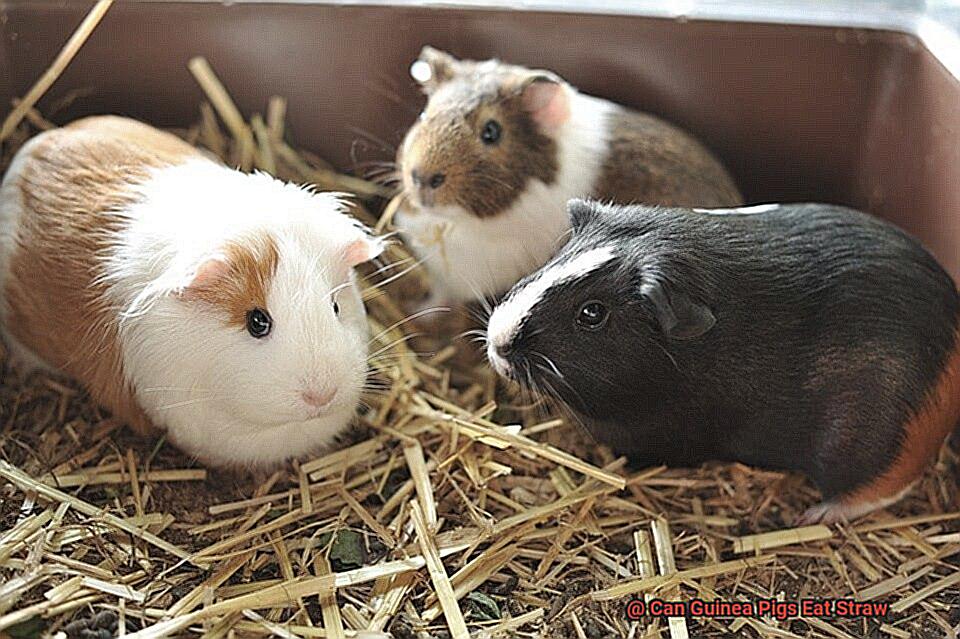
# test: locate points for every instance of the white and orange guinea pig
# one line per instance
(218, 306)
(499, 149)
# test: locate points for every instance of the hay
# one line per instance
(458, 506)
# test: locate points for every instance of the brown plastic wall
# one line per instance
(865, 118)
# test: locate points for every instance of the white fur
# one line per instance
(508, 316)
(469, 257)
(220, 393)
(741, 210)
(11, 209)
(421, 71)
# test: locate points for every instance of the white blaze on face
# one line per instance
(509, 315)
(742, 210)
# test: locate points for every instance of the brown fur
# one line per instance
(482, 179)
(651, 161)
(244, 281)
(74, 177)
(923, 436)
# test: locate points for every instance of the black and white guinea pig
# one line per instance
(499, 149)
(809, 337)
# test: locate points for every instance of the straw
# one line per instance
(448, 600)
(60, 63)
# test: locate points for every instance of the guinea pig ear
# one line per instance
(545, 97)
(362, 250)
(212, 270)
(679, 316)
(581, 212)
(432, 68)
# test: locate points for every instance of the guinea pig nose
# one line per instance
(436, 180)
(318, 399)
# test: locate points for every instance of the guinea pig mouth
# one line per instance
(322, 410)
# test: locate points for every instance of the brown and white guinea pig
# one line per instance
(216, 305)
(807, 337)
(498, 151)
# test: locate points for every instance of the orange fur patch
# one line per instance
(243, 282)
(74, 178)
(924, 434)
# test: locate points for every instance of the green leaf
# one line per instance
(485, 608)
(347, 551)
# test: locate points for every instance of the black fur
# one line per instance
(801, 338)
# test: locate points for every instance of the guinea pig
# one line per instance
(218, 306)
(808, 337)
(498, 151)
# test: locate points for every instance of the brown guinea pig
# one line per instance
(498, 151)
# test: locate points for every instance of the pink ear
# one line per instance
(212, 270)
(362, 250)
(547, 101)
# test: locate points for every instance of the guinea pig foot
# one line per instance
(837, 510)
(828, 512)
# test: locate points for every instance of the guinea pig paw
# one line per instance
(828, 512)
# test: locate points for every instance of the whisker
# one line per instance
(408, 318)
(549, 363)
(669, 356)
(337, 289)
(394, 277)
(475, 333)
(485, 305)
(394, 343)
(188, 402)
(391, 265)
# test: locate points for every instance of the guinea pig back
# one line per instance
(56, 207)
(807, 337)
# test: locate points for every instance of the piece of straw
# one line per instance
(413, 453)
(763, 541)
(650, 583)
(224, 105)
(63, 59)
(438, 575)
(332, 623)
(663, 543)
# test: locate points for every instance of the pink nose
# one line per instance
(318, 399)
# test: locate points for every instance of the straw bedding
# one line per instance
(456, 505)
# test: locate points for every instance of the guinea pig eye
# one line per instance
(259, 323)
(336, 309)
(490, 134)
(592, 316)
